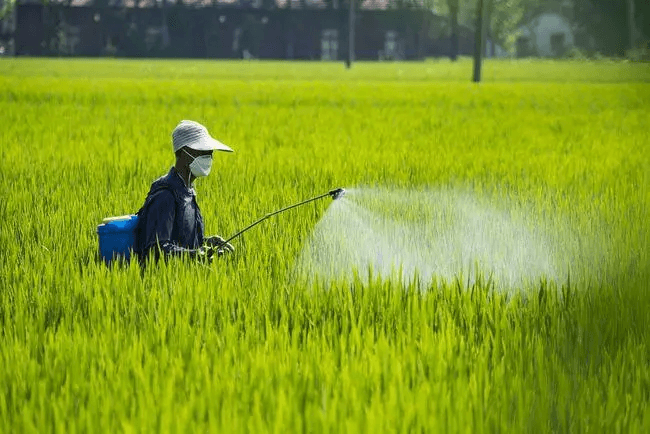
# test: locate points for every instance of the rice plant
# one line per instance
(243, 344)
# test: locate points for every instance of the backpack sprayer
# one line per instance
(117, 234)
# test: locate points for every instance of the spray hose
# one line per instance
(334, 194)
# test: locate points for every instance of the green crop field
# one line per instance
(241, 344)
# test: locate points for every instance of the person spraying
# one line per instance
(170, 221)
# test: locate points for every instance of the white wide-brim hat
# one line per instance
(195, 136)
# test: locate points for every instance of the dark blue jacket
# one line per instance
(170, 218)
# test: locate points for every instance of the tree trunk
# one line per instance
(487, 32)
(479, 36)
(350, 59)
(165, 28)
(453, 39)
(631, 23)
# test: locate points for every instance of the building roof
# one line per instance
(291, 4)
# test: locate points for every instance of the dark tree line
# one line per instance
(614, 25)
(606, 26)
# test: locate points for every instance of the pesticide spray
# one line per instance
(442, 234)
(421, 236)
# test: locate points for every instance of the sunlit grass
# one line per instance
(240, 346)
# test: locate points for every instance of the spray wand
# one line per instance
(334, 194)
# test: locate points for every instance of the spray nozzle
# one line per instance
(336, 194)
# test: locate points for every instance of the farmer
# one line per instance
(170, 221)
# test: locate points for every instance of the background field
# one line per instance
(238, 345)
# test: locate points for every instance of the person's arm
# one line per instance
(159, 225)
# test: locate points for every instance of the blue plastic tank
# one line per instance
(117, 237)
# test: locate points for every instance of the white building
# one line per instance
(548, 34)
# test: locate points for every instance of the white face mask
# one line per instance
(201, 165)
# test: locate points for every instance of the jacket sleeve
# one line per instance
(160, 224)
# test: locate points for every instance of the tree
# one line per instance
(612, 25)
(453, 10)
(479, 37)
(351, 33)
(631, 23)
(616, 25)
(6, 7)
(453, 6)
(502, 18)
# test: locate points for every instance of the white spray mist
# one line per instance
(443, 234)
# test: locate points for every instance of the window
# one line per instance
(70, 39)
(236, 39)
(152, 37)
(390, 45)
(557, 44)
(329, 45)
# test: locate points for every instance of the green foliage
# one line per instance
(504, 16)
(238, 345)
(7, 7)
(639, 54)
(505, 19)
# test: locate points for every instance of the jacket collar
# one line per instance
(177, 183)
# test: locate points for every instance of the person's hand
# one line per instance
(205, 254)
(220, 244)
(208, 253)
